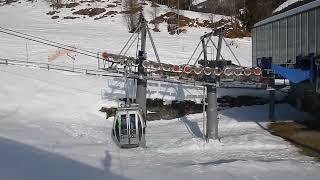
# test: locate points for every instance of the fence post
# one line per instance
(48, 66)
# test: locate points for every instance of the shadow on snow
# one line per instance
(20, 161)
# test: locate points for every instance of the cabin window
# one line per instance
(123, 124)
(132, 121)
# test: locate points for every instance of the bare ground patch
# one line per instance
(305, 135)
(90, 11)
(109, 13)
(70, 17)
(232, 30)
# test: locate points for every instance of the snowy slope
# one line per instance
(107, 34)
(50, 128)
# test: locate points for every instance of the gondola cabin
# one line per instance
(129, 127)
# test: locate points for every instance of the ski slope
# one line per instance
(105, 35)
(50, 128)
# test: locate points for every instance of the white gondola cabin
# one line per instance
(129, 127)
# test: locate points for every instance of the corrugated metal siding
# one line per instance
(283, 41)
(288, 35)
(254, 47)
(304, 34)
(317, 31)
(276, 49)
(298, 34)
(291, 39)
(312, 32)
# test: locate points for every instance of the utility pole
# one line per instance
(212, 108)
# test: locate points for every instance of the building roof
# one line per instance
(300, 9)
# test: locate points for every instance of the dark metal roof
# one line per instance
(298, 10)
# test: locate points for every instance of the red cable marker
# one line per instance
(105, 55)
(187, 69)
(257, 71)
(176, 68)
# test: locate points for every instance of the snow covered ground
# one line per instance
(50, 128)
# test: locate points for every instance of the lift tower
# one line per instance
(141, 81)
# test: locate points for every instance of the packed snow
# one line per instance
(51, 127)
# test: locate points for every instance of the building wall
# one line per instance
(284, 39)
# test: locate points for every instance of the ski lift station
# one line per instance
(287, 45)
